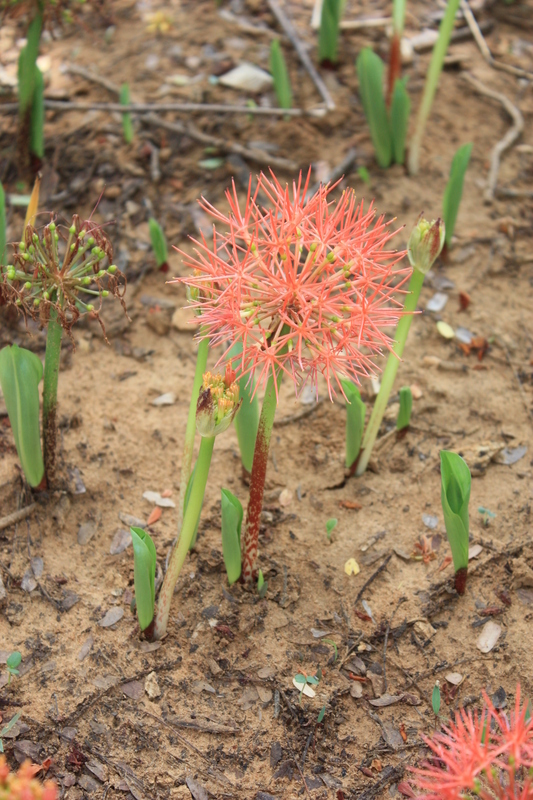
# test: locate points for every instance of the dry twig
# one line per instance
(16, 516)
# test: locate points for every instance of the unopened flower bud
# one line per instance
(425, 243)
(112, 269)
(10, 272)
(52, 227)
(105, 293)
(72, 230)
(90, 307)
(217, 404)
(27, 286)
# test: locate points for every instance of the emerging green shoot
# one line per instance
(3, 226)
(435, 67)
(12, 664)
(435, 699)
(487, 515)
(21, 372)
(335, 648)
(321, 715)
(355, 421)
(302, 681)
(127, 125)
(232, 516)
(280, 74)
(5, 730)
(406, 405)
(37, 116)
(455, 496)
(454, 189)
(159, 243)
(425, 243)
(370, 74)
(27, 65)
(399, 120)
(330, 525)
(145, 561)
(328, 38)
(262, 584)
(364, 175)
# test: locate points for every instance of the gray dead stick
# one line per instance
(16, 516)
(510, 137)
(159, 108)
(288, 27)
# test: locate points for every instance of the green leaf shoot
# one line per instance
(364, 175)
(20, 374)
(27, 64)
(280, 74)
(232, 516)
(399, 119)
(454, 189)
(37, 116)
(370, 74)
(127, 125)
(406, 405)
(328, 37)
(145, 559)
(262, 585)
(5, 730)
(435, 699)
(455, 496)
(321, 715)
(159, 242)
(330, 525)
(13, 661)
(355, 420)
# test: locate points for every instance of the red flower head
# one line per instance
(308, 286)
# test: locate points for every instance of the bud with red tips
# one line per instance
(425, 243)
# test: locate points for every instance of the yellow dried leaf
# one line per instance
(352, 567)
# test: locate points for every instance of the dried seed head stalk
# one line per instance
(308, 286)
(488, 754)
(62, 269)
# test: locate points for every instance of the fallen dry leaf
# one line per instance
(154, 516)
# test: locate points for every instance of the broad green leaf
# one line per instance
(247, 417)
(3, 227)
(159, 242)
(37, 116)
(406, 405)
(280, 74)
(145, 558)
(232, 515)
(455, 497)
(370, 74)
(454, 189)
(355, 420)
(127, 126)
(27, 62)
(20, 374)
(399, 120)
(328, 37)
(13, 660)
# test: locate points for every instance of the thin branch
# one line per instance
(16, 516)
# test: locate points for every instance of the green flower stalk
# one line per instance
(455, 497)
(217, 405)
(425, 244)
(57, 276)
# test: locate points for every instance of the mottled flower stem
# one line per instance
(389, 375)
(257, 480)
(190, 431)
(50, 382)
(179, 553)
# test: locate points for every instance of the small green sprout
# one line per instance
(487, 515)
(262, 585)
(328, 38)
(321, 715)
(12, 664)
(280, 74)
(364, 175)
(5, 730)
(455, 496)
(355, 421)
(435, 699)
(127, 125)
(335, 648)
(406, 405)
(454, 189)
(37, 116)
(301, 680)
(145, 561)
(330, 525)
(232, 516)
(159, 244)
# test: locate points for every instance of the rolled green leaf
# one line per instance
(328, 38)
(280, 74)
(159, 242)
(232, 515)
(3, 227)
(454, 189)
(370, 74)
(26, 66)
(399, 119)
(355, 421)
(247, 417)
(406, 405)
(20, 374)
(37, 116)
(145, 559)
(455, 496)
(127, 126)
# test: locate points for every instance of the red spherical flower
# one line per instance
(308, 285)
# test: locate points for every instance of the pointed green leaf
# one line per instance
(280, 74)
(328, 37)
(406, 405)
(20, 374)
(435, 699)
(37, 116)
(159, 242)
(454, 189)
(399, 119)
(27, 62)
(232, 515)
(145, 559)
(127, 126)
(355, 420)
(370, 74)
(455, 497)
